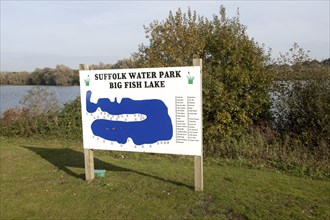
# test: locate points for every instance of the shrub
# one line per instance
(303, 103)
(39, 114)
(70, 122)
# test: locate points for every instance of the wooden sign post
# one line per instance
(88, 153)
(199, 185)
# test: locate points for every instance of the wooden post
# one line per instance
(199, 185)
(88, 153)
(89, 164)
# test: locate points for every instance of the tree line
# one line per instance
(61, 75)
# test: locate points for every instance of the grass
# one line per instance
(44, 179)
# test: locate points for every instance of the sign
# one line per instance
(155, 110)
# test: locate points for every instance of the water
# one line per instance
(10, 96)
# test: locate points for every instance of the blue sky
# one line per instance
(46, 33)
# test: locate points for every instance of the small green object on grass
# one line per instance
(99, 173)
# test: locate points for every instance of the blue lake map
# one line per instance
(157, 126)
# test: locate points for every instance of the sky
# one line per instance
(38, 34)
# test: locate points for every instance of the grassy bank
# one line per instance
(44, 179)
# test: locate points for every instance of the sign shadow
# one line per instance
(63, 158)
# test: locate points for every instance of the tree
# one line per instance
(235, 77)
(61, 76)
(14, 78)
(173, 42)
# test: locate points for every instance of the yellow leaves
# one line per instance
(223, 117)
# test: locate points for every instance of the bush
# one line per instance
(303, 103)
(38, 114)
(70, 122)
(41, 115)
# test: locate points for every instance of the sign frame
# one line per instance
(195, 122)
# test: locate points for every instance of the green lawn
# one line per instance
(44, 179)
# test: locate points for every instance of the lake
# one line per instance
(12, 95)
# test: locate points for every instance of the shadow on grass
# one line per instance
(65, 157)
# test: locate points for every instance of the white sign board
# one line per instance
(156, 110)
